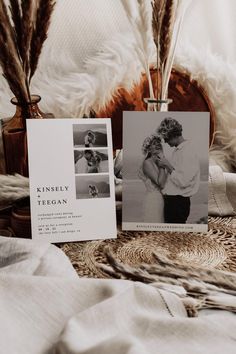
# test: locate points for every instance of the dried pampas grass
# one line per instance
(167, 21)
(40, 31)
(23, 30)
(9, 57)
(162, 25)
(15, 11)
(162, 21)
(28, 13)
(198, 287)
(142, 27)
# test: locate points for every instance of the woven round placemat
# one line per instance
(215, 249)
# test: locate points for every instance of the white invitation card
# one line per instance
(72, 193)
(165, 171)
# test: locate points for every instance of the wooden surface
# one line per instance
(187, 95)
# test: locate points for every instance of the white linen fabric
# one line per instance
(46, 308)
(40, 292)
(27, 257)
(142, 325)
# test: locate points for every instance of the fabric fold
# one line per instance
(28, 257)
(221, 185)
(56, 312)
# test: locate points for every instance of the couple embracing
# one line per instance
(170, 183)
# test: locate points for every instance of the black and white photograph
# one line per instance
(165, 171)
(89, 135)
(92, 187)
(91, 161)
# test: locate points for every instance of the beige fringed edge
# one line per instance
(198, 288)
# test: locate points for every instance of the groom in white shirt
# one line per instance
(183, 173)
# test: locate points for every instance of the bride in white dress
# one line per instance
(154, 178)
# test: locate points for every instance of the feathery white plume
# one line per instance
(142, 28)
(13, 187)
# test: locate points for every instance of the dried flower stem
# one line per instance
(166, 24)
(23, 30)
(15, 11)
(197, 287)
(9, 57)
(44, 12)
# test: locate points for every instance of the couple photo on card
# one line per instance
(89, 135)
(91, 161)
(164, 175)
(165, 171)
(91, 164)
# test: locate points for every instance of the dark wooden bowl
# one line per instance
(187, 95)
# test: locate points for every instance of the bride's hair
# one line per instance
(149, 141)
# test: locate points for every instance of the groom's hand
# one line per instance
(163, 162)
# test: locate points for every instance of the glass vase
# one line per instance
(14, 135)
(157, 105)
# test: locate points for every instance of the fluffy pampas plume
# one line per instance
(218, 78)
(142, 28)
(13, 188)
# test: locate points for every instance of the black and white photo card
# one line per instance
(165, 171)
